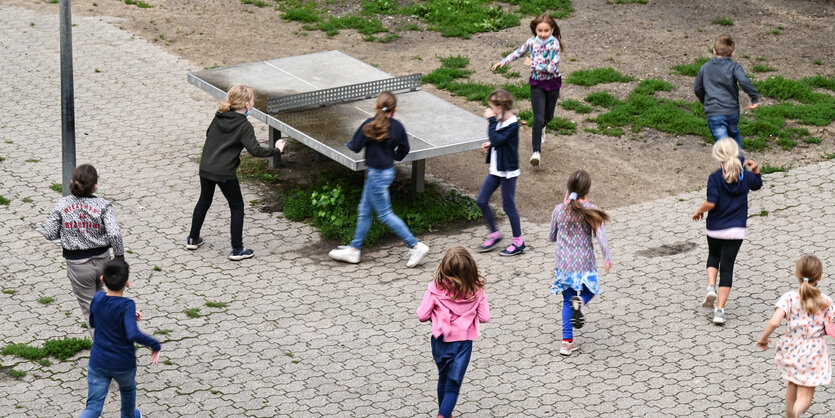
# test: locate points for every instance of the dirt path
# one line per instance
(640, 40)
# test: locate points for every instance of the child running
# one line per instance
(456, 304)
(573, 223)
(727, 207)
(228, 134)
(384, 139)
(113, 356)
(545, 46)
(802, 356)
(88, 230)
(503, 159)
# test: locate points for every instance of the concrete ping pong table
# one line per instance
(435, 126)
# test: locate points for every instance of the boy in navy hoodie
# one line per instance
(113, 355)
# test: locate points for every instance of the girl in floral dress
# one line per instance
(802, 356)
(573, 223)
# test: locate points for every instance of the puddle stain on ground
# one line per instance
(668, 249)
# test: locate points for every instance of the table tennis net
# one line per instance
(348, 93)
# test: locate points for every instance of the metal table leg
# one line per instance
(275, 135)
(418, 176)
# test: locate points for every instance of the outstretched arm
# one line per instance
(772, 325)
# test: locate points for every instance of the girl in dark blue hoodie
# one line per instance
(727, 208)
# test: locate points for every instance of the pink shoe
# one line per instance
(492, 242)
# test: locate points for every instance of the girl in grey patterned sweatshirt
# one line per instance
(87, 228)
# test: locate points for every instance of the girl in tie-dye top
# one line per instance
(573, 223)
(802, 356)
(544, 47)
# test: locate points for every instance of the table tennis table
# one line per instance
(435, 126)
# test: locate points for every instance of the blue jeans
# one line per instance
(375, 196)
(98, 381)
(452, 359)
(722, 126)
(568, 310)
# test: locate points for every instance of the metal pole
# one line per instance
(67, 100)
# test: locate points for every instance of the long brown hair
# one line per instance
(501, 98)
(555, 28)
(236, 99)
(457, 274)
(378, 129)
(580, 182)
(809, 270)
(84, 179)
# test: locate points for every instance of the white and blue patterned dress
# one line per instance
(574, 264)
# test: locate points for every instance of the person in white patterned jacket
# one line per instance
(88, 230)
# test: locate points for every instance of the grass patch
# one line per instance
(17, 374)
(61, 349)
(138, 3)
(307, 14)
(257, 169)
(192, 312)
(828, 156)
(463, 18)
(591, 77)
(9, 291)
(576, 105)
(33, 160)
(362, 24)
(761, 68)
(58, 187)
(768, 168)
(451, 73)
(603, 98)
(46, 300)
(4, 201)
(331, 206)
(558, 8)
(168, 362)
(216, 304)
(774, 32)
(690, 69)
(812, 140)
(157, 268)
(558, 125)
(723, 21)
(27, 200)
(817, 62)
(163, 332)
(506, 72)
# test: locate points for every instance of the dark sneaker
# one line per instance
(513, 250)
(241, 254)
(577, 320)
(193, 244)
(489, 244)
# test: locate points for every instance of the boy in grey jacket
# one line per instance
(716, 87)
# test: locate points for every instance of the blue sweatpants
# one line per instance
(452, 359)
(568, 311)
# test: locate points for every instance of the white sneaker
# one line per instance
(719, 316)
(535, 158)
(345, 253)
(710, 297)
(415, 255)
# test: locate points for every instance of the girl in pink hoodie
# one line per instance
(456, 303)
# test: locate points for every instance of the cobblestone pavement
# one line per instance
(306, 336)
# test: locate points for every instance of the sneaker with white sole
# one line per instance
(193, 244)
(710, 297)
(577, 320)
(345, 253)
(416, 254)
(241, 253)
(718, 316)
(513, 249)
(535, 158)
(566, 348)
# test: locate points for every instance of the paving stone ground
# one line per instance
(305, 336)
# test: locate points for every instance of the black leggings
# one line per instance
(231, 190)
(722, 255)
(543, 104)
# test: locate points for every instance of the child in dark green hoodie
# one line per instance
(228, 134)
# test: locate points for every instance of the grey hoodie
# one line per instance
(716, 86)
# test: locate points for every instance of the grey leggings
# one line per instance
(84, 277)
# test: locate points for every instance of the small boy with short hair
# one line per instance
(113, 355)
(716, 87)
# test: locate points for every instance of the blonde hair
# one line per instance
(809, 270)
(237, 98)
(724, 46)
(457, 274)
(726, 151)
(378, 129)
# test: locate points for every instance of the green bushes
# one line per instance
(594, 76)
(690, 69)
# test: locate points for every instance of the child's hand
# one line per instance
(485, 146)
(528, 61)
(489, 113)
(753, 166)
(698, 216)
(762, 343)
(753, 106)
(280, 144)
(607, 265)
(138, 316)
(499, 64)
(154, 357)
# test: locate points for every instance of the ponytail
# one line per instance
(378, 129)
(809, 271)
(579, 184)
(84, 180)
(726, 151)
(237, 98)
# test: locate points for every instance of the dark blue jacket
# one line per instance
(381, 154)
(731, 200)
(114, 319)
(506, 143)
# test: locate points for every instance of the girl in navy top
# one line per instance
(727, 208)
(384, 140)
(503, 158)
